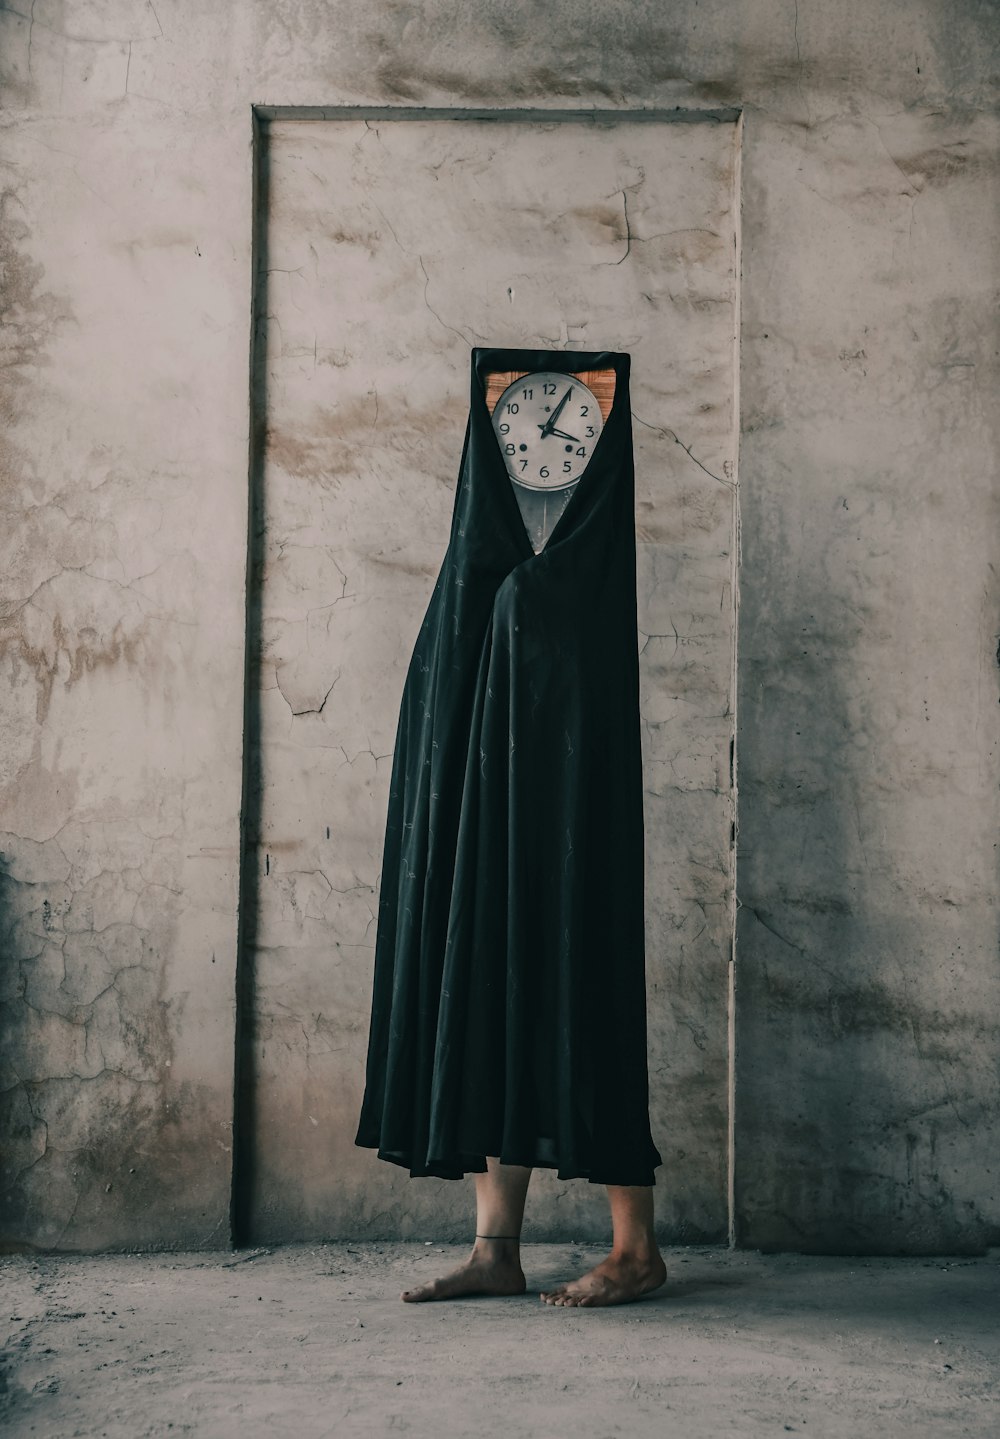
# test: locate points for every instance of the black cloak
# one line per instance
(509, 1006)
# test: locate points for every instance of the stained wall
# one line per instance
(868, 990)
(866, 977)
(390, 248)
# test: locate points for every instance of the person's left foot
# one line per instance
(492, 1268)
(613, 1281)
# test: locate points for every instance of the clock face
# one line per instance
(547, 425)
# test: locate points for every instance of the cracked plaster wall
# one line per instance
(391, 249)
(867, 940)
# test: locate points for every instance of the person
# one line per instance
(508, 1024)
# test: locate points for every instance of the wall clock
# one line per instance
(547, 425)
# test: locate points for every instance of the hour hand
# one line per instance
(562, 435)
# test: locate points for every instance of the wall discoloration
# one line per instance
(87, 1038)
(467, 219)
(868, 693)
(117, 854)
(867, 754)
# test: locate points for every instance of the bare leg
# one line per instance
(494, 1266)
(634, 1266)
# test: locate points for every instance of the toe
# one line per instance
(416, 1296)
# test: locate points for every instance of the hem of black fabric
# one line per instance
(475, 1165)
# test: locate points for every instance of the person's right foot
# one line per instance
(489, 1269)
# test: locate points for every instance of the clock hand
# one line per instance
(550, 423)
(562, 435)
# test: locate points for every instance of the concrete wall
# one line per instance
(866, 1015)
(868, 991)
(391, 247)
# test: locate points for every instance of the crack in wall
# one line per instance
(669, 434)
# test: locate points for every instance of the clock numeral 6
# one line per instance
(543, 473)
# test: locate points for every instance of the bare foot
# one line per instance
(491, 1268)
(613, 1281)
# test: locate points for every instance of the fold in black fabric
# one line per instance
(509, 1008)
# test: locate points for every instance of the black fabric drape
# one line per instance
(509, 1010)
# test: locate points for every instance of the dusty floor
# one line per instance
(312, 1341)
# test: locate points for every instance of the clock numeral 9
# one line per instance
(543, 473)
(505, 429)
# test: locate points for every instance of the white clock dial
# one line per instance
(547, 425)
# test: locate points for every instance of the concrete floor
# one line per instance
(313, 1341)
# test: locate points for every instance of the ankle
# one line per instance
(636, 1253)
(497, 1246)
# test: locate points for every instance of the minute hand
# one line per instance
(550, 423)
